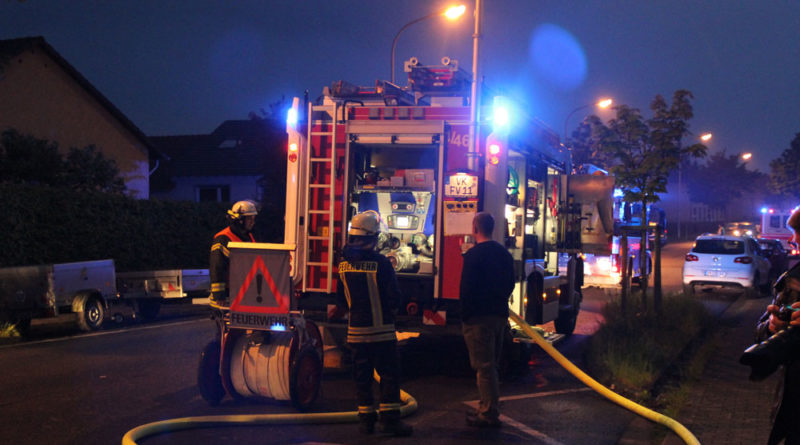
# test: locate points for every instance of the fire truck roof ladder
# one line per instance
(322, 156)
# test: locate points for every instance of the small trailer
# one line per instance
(85, 288)
(149, 288)
(92, 290)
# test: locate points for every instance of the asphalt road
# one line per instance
(93, 388)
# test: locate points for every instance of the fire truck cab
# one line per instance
(405, 153)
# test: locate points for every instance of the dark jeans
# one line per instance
(382, 357)
(484, 338)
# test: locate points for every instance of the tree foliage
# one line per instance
(785, 171)
(641, 152)
(25, 159)
(722, 179)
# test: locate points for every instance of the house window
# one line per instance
(213, 193)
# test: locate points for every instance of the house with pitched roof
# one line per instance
(240, 159)
(41, 94)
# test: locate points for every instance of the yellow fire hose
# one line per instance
(409, 406)
(647, 413)
(185, 423)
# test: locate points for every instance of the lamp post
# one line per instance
(474, 96)
(602, 103)
(451, 13)
(746, 156)
(705, 137)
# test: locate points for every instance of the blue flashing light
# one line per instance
(618, 193)
(501, 116)
(763, 210)
(277, 327)
(291, 116)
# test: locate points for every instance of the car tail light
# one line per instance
(743, 260)
(690, 257)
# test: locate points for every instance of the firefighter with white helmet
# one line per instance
(368, 287)
(241, 218)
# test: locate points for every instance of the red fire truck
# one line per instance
(405, 153)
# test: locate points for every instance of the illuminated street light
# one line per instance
(747, 156)
(451, 13)
(705, 137)
(602, 103)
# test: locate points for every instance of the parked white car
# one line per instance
(726, 261)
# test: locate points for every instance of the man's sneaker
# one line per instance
(481, 421)
(367, 422)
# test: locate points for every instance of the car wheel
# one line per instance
(688, 290)
(766, 287)
(91, 314)
(753, 290)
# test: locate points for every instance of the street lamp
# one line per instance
(747, 156)
(602, 103)
(451, 13)
(705, 137)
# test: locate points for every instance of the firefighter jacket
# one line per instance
(219, 262)
(368, 285)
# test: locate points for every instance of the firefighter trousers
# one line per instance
(382, 357)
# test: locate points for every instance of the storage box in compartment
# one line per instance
(397, 181)
(420, 178)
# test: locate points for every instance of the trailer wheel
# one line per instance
(90, 314)
(208, 379)
(305, 378)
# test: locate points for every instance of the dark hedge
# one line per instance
(42, 225)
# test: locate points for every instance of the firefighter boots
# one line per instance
(391, 425)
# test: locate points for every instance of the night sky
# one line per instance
(183, 67)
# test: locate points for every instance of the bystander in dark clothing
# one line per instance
(786, 408)
(487, 280)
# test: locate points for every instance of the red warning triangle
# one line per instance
(282, 301)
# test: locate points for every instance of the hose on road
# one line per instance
(647, 413)
(184, 423)
(409, 405)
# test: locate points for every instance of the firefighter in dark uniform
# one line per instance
(242, 218)
(368, 286)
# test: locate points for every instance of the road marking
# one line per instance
(543, 394)
(521, 426)
(100, 333)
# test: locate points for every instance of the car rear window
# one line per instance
(719, 246)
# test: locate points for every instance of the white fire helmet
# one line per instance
(242, 209)
(365, 224)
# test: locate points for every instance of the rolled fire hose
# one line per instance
(630, 405)
(409, 405)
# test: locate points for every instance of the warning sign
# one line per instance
(260, 285)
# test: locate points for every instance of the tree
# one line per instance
(722, 179)
(25, 159)
(584, 144)
(642, 152)
(785, 171)
(87, 169)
